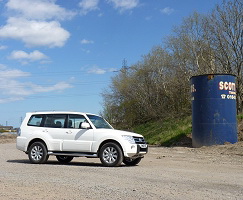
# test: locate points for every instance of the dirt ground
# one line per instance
(7, 138)
(179, 172)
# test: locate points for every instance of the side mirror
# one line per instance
(85, 125)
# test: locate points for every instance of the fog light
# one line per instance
(132, 146)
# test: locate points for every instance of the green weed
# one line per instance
(165, 132)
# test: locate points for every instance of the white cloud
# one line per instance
(148, 18)
(2, 67)
(84, 41)
(124, 5)
(100, 14)
(2, 47)
(96, 70)
(39, 9)
(23, 89)
(35, 33)
(11, 89)
(35, 55)
(11, 99)
(22, 56)
(57, 87)
(167, 10)
(88, 6)
(35, 22)
(12, 73)
(112, 70)
(85, 50)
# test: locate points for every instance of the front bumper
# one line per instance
(137, 150)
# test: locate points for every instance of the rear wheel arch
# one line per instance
(38, 153)
(36, 140)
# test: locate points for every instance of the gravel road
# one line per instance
(164, 173)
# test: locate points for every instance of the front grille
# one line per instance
(139, 140)
(141, 148)
(144, 149)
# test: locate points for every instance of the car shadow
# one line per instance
(25, 161)
(84, 164)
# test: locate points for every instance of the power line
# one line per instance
(55, 96)
(62, 96)
(23, 85)
(51, 73)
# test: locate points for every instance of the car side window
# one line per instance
(35, 120)
(75, 121)
(55, 121)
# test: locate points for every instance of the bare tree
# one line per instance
(225, 26)
(158, 86)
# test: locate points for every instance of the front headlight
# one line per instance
(129, 139)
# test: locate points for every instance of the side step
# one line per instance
(74, 154)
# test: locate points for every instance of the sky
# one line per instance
(62, 54)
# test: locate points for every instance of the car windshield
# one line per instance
(99, 122)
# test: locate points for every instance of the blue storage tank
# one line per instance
(213, 109)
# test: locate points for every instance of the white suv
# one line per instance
(74, 134)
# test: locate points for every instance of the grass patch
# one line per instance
(240, 117)
(165, 132)
(168, 132)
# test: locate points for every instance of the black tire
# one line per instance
(131, 162)
(38, 153)
(111, 155)
(64, 159)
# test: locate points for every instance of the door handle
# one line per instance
(69, 132)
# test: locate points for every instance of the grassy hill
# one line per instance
(174, 131)
(165, 133)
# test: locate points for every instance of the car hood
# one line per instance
(120, 132)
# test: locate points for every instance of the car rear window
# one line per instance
(35, 120)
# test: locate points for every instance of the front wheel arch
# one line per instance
(107, 141)
(111, 154)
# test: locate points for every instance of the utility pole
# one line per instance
(124, 67)
(124, 64)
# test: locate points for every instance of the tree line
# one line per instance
(158, 86)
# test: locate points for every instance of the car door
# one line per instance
(75, 138)
(53, 127)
